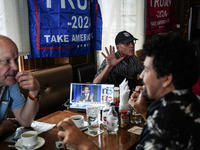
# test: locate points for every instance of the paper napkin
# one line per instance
(41, 126)
(124, 93)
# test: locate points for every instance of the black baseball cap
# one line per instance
(124, 37)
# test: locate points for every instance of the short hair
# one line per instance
(87, 87)
(174, 55)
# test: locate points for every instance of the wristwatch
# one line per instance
(37, 98)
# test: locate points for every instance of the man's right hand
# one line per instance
(70, 134)
(8, 125)
(138, 102)
(111, 58)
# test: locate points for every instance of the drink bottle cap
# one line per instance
(123, 111)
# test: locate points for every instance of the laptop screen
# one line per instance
(83, 94)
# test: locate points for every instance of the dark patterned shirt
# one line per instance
(173, 123)
(129, 70)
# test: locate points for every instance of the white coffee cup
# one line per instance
(29, 138)
(78, 120)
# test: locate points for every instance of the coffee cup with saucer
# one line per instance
(29, 140)
(78, 120)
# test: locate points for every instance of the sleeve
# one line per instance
(17, 99)
(103, 65)
(82, 97)
(140, 66)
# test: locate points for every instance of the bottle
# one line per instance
(112, 120)
(116, 96)
(123, 106)
(104, 114)
(123, 119)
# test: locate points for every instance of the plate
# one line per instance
(40, 143)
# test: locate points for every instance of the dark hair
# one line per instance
(87, 87)
(174, 55)
(196, 42)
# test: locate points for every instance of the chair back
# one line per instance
(139, 55)
(86, 73)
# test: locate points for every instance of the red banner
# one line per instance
(160, 16)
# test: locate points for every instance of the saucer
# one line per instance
(84, 126)
(40, 143)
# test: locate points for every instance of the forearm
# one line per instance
(28, 113)
(102, 77)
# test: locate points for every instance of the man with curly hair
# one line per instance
(170, 70)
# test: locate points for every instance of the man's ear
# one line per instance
(117, 46)
(167, 80)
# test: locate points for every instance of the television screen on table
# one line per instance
(84, 94)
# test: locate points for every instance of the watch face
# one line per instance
(39, 96)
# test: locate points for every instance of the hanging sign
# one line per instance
(64, 28)
(160, 16)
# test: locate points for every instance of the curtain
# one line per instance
(121, 15)
(14, 23)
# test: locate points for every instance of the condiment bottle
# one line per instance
(125, 106)
(123, 119)
(116, 96)
(112, 120)
(104, 114)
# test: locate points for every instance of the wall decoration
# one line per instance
(160, 16)
(64, 28)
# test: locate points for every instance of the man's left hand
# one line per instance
(27, 81)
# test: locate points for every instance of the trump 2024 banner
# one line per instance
(160, 16)
(64, 28)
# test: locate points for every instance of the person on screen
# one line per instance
(86, 96)
(10, 95)
(105, 91)
(122, 64)
(104, 98)
(173, 119)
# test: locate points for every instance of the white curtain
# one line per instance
(14, 23)
(121, 15)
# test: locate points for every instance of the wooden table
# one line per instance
(121, 141)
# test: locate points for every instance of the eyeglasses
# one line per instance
(133, 42)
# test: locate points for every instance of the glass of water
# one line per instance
(93, 119)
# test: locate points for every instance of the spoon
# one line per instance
(22, 148)
(18, 147)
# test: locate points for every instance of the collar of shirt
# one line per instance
(131, 60)
(2, 88)
(162, 101)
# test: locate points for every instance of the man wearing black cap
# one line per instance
(122, 64)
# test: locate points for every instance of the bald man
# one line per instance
(10, 95)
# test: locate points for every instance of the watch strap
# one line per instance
(34, 98)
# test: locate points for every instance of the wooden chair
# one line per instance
(139, 55)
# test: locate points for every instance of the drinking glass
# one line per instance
(136, 117)
(93, 118)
